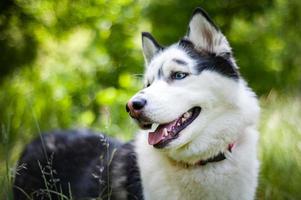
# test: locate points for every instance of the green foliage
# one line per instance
(68, 64)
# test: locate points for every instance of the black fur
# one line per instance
(222, 64)
(180, 62)
(124, 164)
(79, 162)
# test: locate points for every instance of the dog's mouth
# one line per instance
(165, 133)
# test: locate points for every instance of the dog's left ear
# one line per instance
(205, 35)
(150, 46)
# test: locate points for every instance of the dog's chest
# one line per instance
(168, 186)
(193, 184)
(222, 180)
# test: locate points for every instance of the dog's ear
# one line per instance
(150, 46)
(205, 35)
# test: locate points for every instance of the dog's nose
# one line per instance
(135, 105)
(138, 104)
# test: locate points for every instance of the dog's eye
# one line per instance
(178, 75)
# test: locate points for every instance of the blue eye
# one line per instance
(178, 75)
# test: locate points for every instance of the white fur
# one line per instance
(229, 114)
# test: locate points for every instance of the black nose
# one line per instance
(135, 104)
(138, 103)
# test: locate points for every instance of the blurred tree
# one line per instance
(18, 45)
(171, 17)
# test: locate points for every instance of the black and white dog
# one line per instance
(202, 142)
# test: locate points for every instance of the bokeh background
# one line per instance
(75, 63)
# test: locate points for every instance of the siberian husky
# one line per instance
(200, 120)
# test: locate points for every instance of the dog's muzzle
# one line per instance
(135, 109)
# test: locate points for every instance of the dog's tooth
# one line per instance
(178, 124)
(165, 133)
(183, 120)
(186, 115)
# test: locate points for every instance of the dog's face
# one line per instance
(194, 92)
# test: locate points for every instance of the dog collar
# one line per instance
(220, 157)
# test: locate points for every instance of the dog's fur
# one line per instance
(229, 115)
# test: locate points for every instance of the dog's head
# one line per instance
(194, 92)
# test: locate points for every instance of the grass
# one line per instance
(279, 151)
(280, 148)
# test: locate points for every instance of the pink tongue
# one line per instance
(158, 135)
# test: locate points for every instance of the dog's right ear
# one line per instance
(150, 46)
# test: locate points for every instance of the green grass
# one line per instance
(279, 150)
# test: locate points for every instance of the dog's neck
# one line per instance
(219, 157)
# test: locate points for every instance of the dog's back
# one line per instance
(74, 164)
